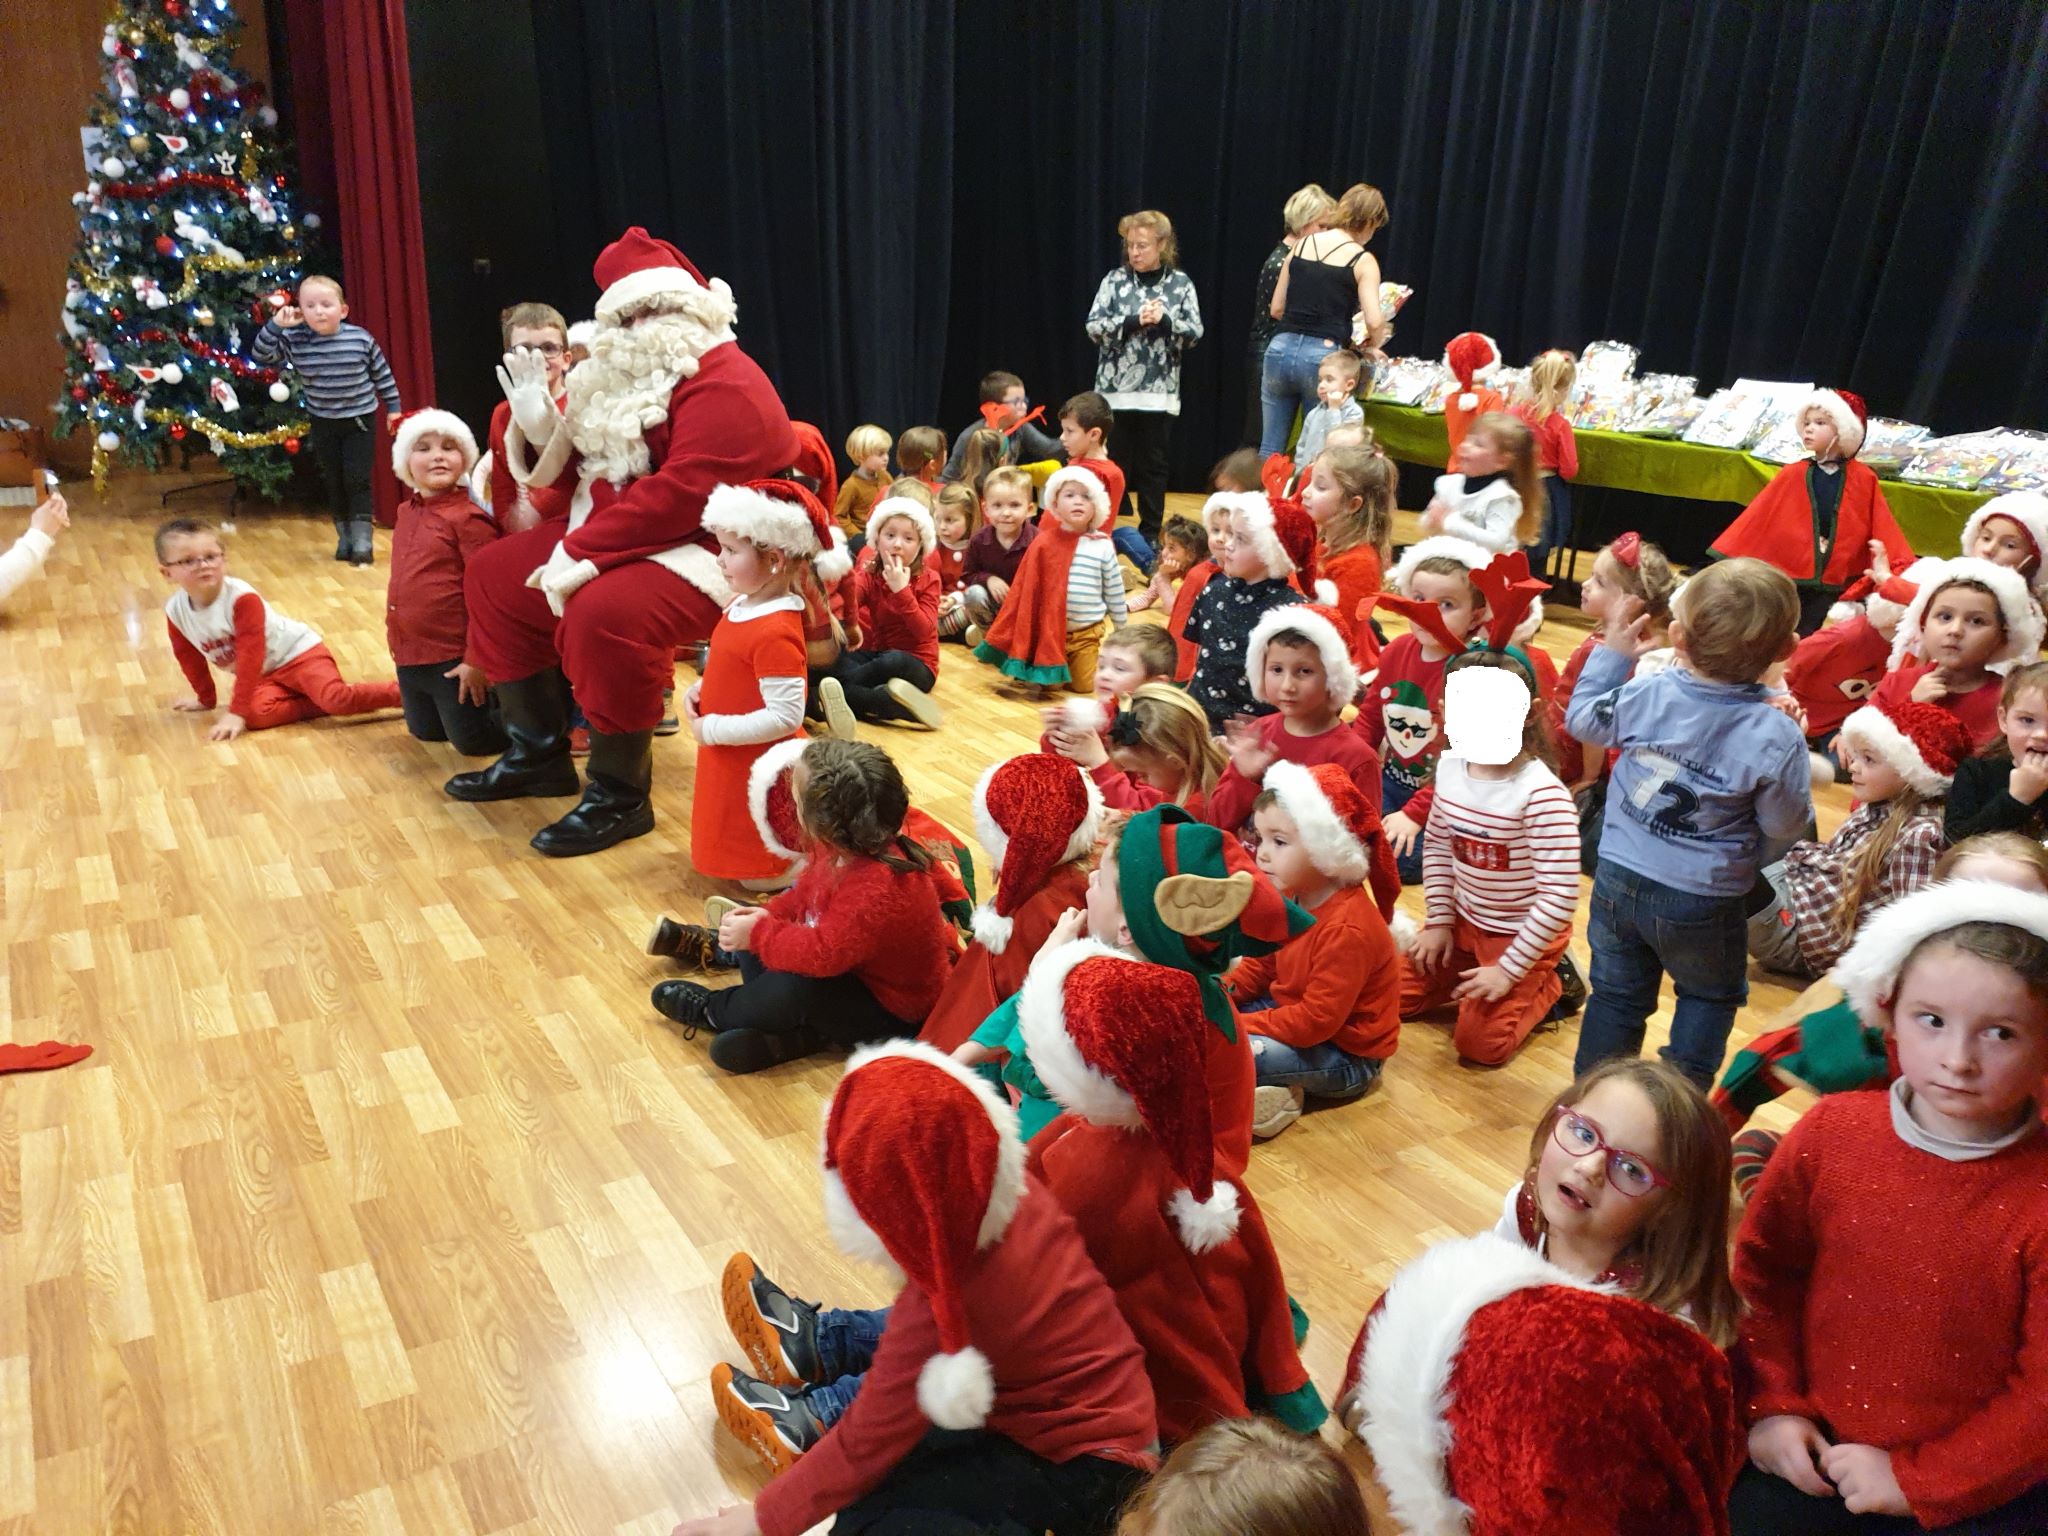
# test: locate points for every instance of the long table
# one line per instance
(1932, 519)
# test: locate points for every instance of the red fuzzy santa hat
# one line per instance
(1033, 814)
(903, 506)
(1339, 827)
(771, 804)
(924, 1169)
(415, 425)
(774, 514)
(637, 273)
(1869, 971)
(1922, 742)
(2016, 605)
(1283, 534)
(2027, 508)
(1846, 411)
(1089, 481)
(1504, 1397)
(1326, 630)
(1473, 357)
(1119, 1042)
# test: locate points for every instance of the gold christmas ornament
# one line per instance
(138, 142)
(213, 429)
(137, 36)
(202, 316)
(290, 231)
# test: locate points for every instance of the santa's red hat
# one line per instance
(1473, 357)
(924, 1169)
(1922, 742)
(2016, 607)
(1119, 1042)
(774, 514)
(1089, 481)
(1283, 534)
(415, 425)
(1851, 419)
(637, 272)
(903, 506)
(1504, 1397)
(1339, 828)
(1032, 813)
(771, 804)
(2027, 508)
(1326, 631)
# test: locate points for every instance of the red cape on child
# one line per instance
(1028, 640)
(1777, 527)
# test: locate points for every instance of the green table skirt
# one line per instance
(1932, 519)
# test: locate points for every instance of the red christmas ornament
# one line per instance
(291, 445)
(177, 429)
(78, 391)
(173, 9)
(165, 245)
(118, 313)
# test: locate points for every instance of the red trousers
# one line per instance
(311, 686)
(1487, 1032)
(616, 639)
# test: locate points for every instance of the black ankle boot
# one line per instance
(615, 804)
(362, 543)
(536, 715)
(344, 546)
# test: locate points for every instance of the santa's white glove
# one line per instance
(524, 377)
(561, 578)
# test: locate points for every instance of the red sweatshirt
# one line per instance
(951, 565)
(1070, 1379)
(858, 915)
(898, 621)
(1357, 575)
(1230, 803)
(1977, 709)
(1557, 446)
(424, 616)
(1901, 1300)
(546, 500)
(1834, 670)
(1337, 984)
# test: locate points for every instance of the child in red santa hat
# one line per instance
(894, 666)
(1473, 358)
(1504, 1396)
(1132, 1159)
(1267, 561)
(1971, 623)
(1894, 1255)
(1001, 1387)
(1492, 493)
(439, 527)
(1068, 594)
(1818, 517)
(1325, 1011)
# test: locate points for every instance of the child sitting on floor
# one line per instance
(1493, 496)
(425, 619)
(1216, 515)
(894, 666)
(1350, 496)
(1895, 1252)
(1249, 1477)
(1325, 1011)
(954, 524)
(1182, 547)
(867, 449)
(855, 951)
(1270, 543)
(2001, 788)
(1971, 622)
(1157, 747)
(1134, 654)
(920, 455)
(994, 553)
(1068, 594)
(282, 670)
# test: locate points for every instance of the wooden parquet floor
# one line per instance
(386, 1203)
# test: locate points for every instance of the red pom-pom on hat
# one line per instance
(1032, 813)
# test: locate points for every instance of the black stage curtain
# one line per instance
(905, 195)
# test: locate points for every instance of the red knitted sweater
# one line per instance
(859, 915)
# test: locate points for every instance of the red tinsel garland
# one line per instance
(145, 189)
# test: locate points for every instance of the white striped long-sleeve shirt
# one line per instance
(1503, 854)
(1095, 585)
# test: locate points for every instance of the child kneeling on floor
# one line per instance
(1325, 1011)
(855, 951)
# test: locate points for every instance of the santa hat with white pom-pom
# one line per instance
(1032, 813)
(924, 1169)
(1119, 1042)
(1473, 357)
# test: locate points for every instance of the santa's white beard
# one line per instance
(623, 387)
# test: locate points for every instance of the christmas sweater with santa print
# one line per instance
(1977, 709)
(855, 916)
(1402, 718)
(1833, 671)
(238, 633)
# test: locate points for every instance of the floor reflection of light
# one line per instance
(627, 1387)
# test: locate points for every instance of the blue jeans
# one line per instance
(1320, 1071)
(1393, 795)
(1642, 929)
(1134, 547)
(847, 1341)
(1557, 529)
(1288, 386)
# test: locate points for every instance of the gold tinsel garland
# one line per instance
(109, 288)
(212, 429)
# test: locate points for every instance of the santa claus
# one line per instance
(665, 407)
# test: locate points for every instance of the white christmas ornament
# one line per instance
(311, 221)
(140, 411)
(115, 167)
(224, 161)
(224, 395)
(267, 115)
(280, 392)
(176, 143)
(261, 205)
(109, 44)
(150, 291)
(74, 295)
(1484, 711)
(214, 444)
(181, 99)
(171, 373)
(146, 373)
(109, 441)
(102, 359)
(124, 80)
(188, 55)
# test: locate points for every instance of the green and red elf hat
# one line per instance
(1194, 900)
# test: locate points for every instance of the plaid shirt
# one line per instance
(1817, 873)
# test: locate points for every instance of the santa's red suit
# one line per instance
(608, 594)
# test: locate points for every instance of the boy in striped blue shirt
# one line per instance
(343, 375)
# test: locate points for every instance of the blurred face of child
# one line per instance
(1817, 432)
(1480, 454)
(1455, 598)
(1141, 249)
(1972, 1040)
(2024, 723)
(1600, 588)
(1962, 630)
(1295, 682)
(2000, 869)
(435, 462)
(1078, 441)
(747, 568)
(1148, 766)
(196, 563)
(1872, 778)
(1006, 507)
(1324, 499)
(1578, 1199)
(876, 465)
(1119, 673)
(1104, 906)
(1335, 385)
(1015, 403)
(897, 539)
(1222, 539)
(1072, 509)
(2003, 542)
(952, 525)
(1243, 559)
(1281, 856)
(552, 346)
(323, 307)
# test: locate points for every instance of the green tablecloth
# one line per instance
(1931, 519)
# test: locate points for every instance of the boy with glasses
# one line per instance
(1006, 408)
(540, 328)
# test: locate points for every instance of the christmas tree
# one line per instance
(188, 237)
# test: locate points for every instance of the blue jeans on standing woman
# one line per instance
(1641, 929)
(1288, 385)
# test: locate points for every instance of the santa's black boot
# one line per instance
(615, 804)
(536, 715)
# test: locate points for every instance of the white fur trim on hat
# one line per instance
(1869, 971)
(767, 768)
(903, 506)
(1204, 1224)
(1883, 613)
(2016, 605)
(581, 332)
(1331, 846)
(1340, 674)
(957, 1391)
(1042, 1014)
(2027, 508)
(992, 929)
(1473, 557)
(668, 288)
(836, 563)
(1255, 516)
(1848, 430)
(1089, 481)
(1877, 731)
(1405, 1376)
(412, 428)
(769, 521)
(1220, 506)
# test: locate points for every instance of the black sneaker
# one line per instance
(778, 1333)
(752, 1050)
(686, 1003)
(775, 1425)
(1572, 997)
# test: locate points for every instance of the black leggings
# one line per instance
(434, 711)
(823, 1010)
(1766, 1505)
(863, 674)
(977, 1483)
(346, 446)
(1141, 438)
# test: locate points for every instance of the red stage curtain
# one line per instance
(352, 85)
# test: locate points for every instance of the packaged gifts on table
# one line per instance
(1408, 380)
(1729, 420)
(1655, 392)
(2024, 465)
(1889, 446)
(1956, 463)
